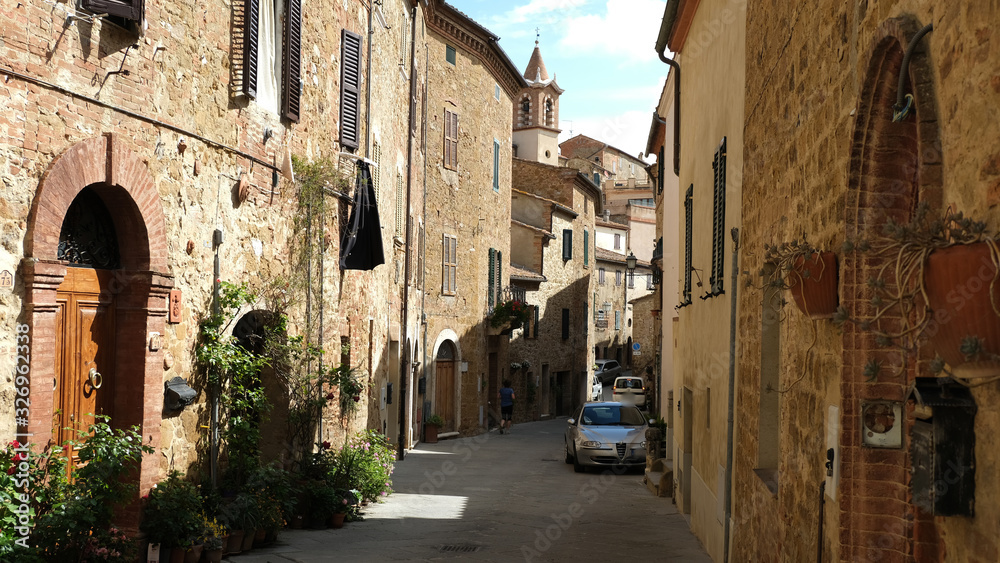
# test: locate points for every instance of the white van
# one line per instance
(630, 389)
(597, 389)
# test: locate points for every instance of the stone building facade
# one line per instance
(553, 211)
(825, 160)
(141, 139)
(471, 84)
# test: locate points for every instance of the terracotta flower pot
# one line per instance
(248, 539)
(337, 520)
(297, 522)
(958, 280)
(212, 556)
(176, 555)
(813, 284)
(235, 542)
(430, 433)
(193, 554)
(259, 536)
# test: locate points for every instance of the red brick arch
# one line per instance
(139, 288)
(893, 167)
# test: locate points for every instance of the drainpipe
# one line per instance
(423, 150)
(661, 46)
(404, 367)
(732, 390)
(904, 101)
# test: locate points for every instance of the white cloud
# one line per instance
(627, 131)
(626, 30)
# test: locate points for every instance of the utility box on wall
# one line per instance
(942, 448)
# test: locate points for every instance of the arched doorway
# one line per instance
(444, 386)
(95, 295)
(893, 166)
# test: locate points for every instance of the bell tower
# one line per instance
(536, 113)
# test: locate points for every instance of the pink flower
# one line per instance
(343, 501)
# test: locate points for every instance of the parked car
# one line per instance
(597, 389)
(606, 434)
(630, 389)
(607, 370)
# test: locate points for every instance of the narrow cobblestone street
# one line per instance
(500, 498)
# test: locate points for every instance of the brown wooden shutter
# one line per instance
(454, 140)
(447, 139)
(128, 9)
(251, 19)
(350, 89)
(291, 67)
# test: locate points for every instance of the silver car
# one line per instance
(607, 370)
(606, 434)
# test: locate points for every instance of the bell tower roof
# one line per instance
(536, 71)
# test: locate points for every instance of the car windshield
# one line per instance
(612, 415)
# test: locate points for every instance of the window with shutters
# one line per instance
(376, 168)
(659, 172)
(618, 320)
(272, 43)
(586, 248)
(688, 220)
(600, 276)
(129, 10)
(532, 325)
(449, 264)
(350, 89)
(449, 54)
(494, 290)
(718, 221)
(567, 241)
(618, 242)
(565, 324)
(400, 205)
(450, 139)
(618, 278)
(496, 165)
(418, 272)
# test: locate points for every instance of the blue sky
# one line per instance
(601, 52)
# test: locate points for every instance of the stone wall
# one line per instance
(816, 114)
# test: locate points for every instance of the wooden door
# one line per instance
(444, 393)
(85, 360)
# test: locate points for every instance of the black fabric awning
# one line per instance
(361, 247)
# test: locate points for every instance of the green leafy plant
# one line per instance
(511, 312)
(44, 485)
(172, 513)
(78, 524)
(275, 493)
(348, 380)
(434, 420)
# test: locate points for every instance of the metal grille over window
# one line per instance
(718, 220)
(88, 236)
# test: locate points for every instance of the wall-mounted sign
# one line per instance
(174, 315)
(6, 279)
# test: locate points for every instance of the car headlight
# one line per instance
(591, 444)
(642, 445)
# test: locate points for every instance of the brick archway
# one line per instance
(893, 167)
(139, 288)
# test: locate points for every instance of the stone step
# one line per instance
(659, 478)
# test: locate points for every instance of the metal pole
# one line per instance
(732, 389)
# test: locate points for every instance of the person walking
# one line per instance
(506, 406)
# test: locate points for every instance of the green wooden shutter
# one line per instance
(291, 51)
(586, 246)
(718, 219)
(350, 89)
(251, 19)
(567, 244)
(490, 292)
(688, 232)
(499, 284)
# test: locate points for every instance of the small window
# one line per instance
(618, 278)
(618, 242)
(586, 247)
(450, 139)
(600, 276)
(449, 54)
(496, 91)
(567, 241)
(449, 264)
(618, 320)
(496, 165)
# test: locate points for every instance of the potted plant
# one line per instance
(508, 315)
(938, 285)
(323, 499)
(172, 514)
(810, 276)
(341, 506)
(433, 423)
(213, 538)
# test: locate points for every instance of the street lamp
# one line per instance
(630, 262)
